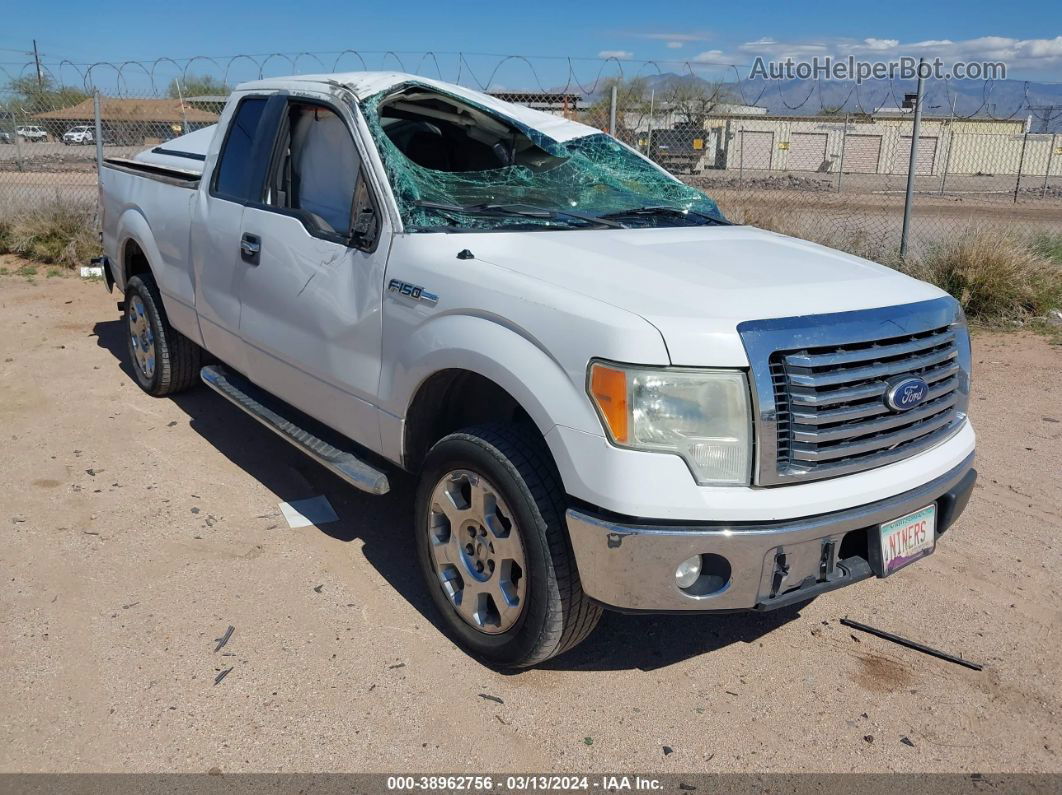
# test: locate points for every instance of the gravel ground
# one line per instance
(137, 530)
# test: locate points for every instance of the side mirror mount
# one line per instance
(363, 231)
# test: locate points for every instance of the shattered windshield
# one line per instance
(456, 166)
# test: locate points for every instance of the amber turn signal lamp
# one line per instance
(608, 388)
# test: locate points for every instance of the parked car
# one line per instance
(82, 134)
(32, 133)
(611, 397)
(86, 134)
(6, 137)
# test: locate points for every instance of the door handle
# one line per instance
(250, 248)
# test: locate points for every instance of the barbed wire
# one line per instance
(583, 75)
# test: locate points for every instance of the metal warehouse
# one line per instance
(877, 144)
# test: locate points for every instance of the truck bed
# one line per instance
(152, 204)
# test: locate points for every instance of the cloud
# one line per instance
(674, 45)
(881, 44)
(619, 54)
(673, 38)
(1013, 52)
(712, 56)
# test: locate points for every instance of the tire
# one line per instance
(510, 466)
(163, 359)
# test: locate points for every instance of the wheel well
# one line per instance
(134, 260)
(448, 401)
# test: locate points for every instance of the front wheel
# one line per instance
(493, 547)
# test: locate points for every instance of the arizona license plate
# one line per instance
(905, 540)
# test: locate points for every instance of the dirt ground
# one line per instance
(135, 530)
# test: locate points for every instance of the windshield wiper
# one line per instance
(520, 211)
(673, 212)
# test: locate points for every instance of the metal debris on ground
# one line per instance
(910, 644)
(224, 638)
(318, 588)
(222, 675)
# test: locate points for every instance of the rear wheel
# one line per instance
(163, 359)
(493, 547)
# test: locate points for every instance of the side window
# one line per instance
(317, 174)
(236, 166)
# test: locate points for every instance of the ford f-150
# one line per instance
(611, 396)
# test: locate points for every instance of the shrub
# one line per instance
(996, 276)
(55, 233)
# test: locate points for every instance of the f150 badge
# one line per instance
(414, 291)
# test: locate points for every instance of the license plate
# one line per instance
(907, 539)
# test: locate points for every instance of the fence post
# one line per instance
(98, 138)
(98, 134)
(649, 137)
(1021, 162)
(612, 113)
(912, 163)
(947, 160)
(840, 165)
(741, 156)
(1047, 171)
(18, 144)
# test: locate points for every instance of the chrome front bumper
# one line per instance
(630, 565)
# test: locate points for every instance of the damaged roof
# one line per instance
(366, 84)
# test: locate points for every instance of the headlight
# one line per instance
(701, 415)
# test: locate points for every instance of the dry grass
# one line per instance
(854, 240)
(56, 233)
(996, 276)
(1049, 246)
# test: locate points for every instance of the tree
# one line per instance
(692, 100)
(198, 86)
(632, 105)
(28, 96)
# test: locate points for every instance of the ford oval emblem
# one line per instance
(906, 393)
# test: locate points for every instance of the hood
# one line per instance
(695, 284)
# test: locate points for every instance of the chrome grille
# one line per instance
(831, 415)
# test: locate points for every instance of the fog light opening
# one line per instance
(687, 572)
(712, 577)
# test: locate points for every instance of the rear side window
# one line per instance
(236, 166)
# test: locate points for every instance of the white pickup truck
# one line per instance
(611, 396)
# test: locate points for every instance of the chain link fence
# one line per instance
(825, 173)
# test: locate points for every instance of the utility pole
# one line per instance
(37, 61)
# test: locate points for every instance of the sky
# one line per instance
(1026, 34)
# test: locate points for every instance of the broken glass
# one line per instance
(474, 166)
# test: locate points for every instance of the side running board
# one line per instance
(353, 470)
